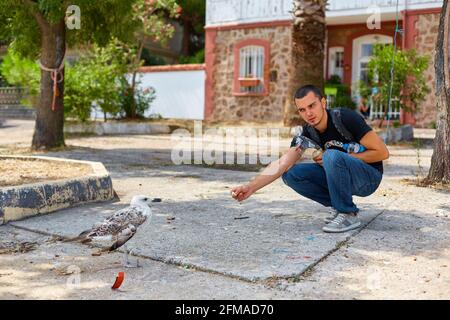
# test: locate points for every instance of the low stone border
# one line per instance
(403, 133)
(27, 200)
(116, 128)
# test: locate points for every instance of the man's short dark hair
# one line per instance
(303, 91)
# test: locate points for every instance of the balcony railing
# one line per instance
(239, 11)
(377, 110)
(336, 5)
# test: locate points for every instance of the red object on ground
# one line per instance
(119, 280)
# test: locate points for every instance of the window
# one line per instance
(251, 69)
(362, 52)
(366, 50)
(336, 62)
(364, 72)
(339, 60)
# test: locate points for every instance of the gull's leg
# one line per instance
(126, 263)
(137, 260)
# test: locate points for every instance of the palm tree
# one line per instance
(308, 37)
(440, 161)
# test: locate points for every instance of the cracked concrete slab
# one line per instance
(56, 270)
(256, 240)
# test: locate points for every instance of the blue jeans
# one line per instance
(334, 183)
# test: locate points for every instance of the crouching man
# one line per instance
(337, 173)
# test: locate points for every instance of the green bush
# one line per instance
(409, 82)
(151, 59)
(142, 98)
(432, 125)
(94, 79)
(3, 82)
(343, 98)
(21, 72)
(99, 78)
(198, 57)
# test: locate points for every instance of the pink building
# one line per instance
(253, 38)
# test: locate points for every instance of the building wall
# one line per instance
(179, 90)
(425, 43)
(250, 108)
(222, 105)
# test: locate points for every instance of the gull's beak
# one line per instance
(156, 200)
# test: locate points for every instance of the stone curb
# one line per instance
(117, 128)
(403, 133)
(19, 202)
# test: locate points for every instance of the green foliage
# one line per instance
(151, 60)
(195, 10)
(142, 100)
(343, 98)
(432, 125)
(100, 20)
(199, 57)
(192, 17)
(21, 72)
(409, 84)
(152, 19)
(97, 79)
(334, 79)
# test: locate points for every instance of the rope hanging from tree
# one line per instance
(54, 73)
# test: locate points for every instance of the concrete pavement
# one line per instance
(202, 245)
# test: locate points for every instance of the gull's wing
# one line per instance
(125, 235)
(114, 225)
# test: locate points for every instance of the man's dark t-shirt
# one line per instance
(353, 122)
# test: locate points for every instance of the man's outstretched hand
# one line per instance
(241, 193)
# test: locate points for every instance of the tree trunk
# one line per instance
(308, 37)
(440, 161)
(186, 36)
(48, 131)
(133, 79)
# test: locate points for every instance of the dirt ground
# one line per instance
(16, 171)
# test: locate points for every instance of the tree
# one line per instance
(409, 84)
(37, 29)
(440, 161)
(151, 16)
(192, 19)
(308, 37)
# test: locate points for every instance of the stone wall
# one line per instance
(427, 26)
(251, 108)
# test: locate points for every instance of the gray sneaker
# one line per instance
(332, 215)
(342, 223)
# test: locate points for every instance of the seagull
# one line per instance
(120, 226)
